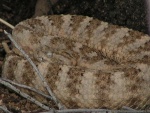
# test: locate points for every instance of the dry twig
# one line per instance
(6, 23)
(96, 111)
(29, 88)
(3, 108)
(60, 106)
(24, 94)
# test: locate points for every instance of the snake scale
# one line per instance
(87, 63)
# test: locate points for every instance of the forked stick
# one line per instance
(24, 94)
(27, 87)
(60, 106)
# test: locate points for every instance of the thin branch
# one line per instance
(6, 47)
(27, 87)
(128, 108)
(4, 109)
(6, 23)
(96, 111)
(60, 106)
(24, 94)
(84, 111)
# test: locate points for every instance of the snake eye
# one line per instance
(40, 59)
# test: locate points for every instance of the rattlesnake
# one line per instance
(88, 63)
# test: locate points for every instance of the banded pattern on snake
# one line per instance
(88, 63)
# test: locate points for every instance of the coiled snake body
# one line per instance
(88, 63)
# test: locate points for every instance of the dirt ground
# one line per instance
(131, 14)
